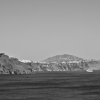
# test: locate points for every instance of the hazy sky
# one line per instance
(38, 29)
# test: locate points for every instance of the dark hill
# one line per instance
(13, 65)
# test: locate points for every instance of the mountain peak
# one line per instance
(62, 58)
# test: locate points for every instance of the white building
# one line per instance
(25, 61)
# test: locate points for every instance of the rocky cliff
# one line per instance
(10, 65)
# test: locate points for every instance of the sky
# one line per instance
(38, 29)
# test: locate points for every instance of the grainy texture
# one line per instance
(51, 86)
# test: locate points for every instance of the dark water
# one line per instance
(51, 86)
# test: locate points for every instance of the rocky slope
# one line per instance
(10, 65)
(13, 65)
(62, 58)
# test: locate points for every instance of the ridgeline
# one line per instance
(11, 65)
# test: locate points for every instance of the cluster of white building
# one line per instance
(25, 61)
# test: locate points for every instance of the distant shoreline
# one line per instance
(57, 72)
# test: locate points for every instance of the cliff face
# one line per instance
(13, 66)
(57, 63)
